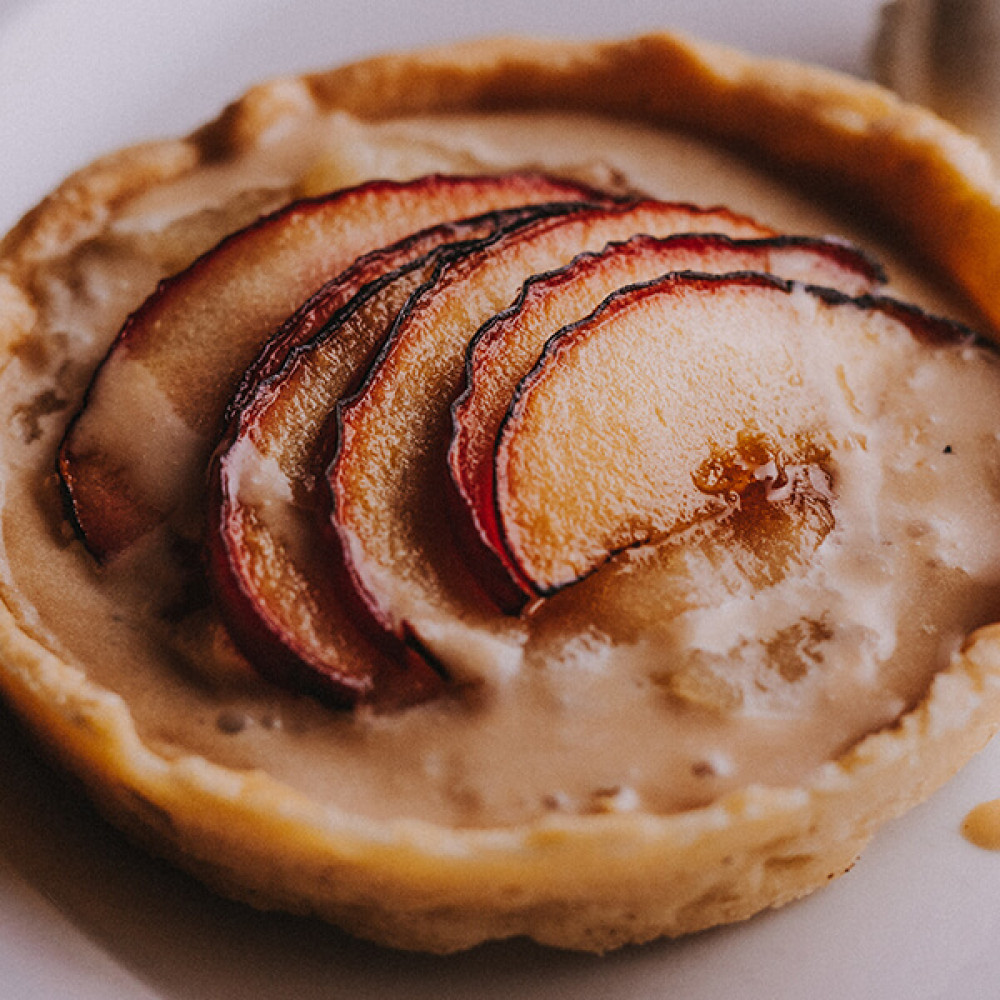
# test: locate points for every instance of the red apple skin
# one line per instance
(195, 336)
(504, 349)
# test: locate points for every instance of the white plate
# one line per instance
(83, 916)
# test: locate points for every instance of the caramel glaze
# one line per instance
(982, 825)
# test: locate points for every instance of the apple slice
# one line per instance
(153, 411)
(389, 480)
(277, 584)
(505, 348)
(678, 396)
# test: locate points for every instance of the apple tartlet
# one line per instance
(520, 488)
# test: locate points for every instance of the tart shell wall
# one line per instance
(590, 882)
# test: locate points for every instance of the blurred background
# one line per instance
(79, 77)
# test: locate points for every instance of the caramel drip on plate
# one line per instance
(982, 825)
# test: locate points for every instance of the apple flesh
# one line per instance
(678, 396)
(389, 480)
(153, 411)
(506, 347)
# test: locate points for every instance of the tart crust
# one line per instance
(589, 881)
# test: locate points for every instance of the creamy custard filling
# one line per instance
(674, 674)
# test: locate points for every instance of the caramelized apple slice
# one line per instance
(505, 348)
(276, 582)
(678, 395)
(389, 479)
(132, 457)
